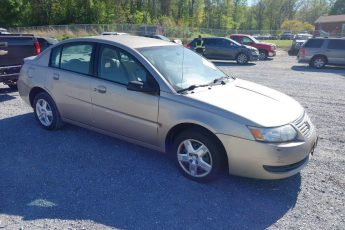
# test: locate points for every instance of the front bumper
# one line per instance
(254, 57)
(266, 160)
(272, 53)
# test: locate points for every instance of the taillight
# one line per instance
(37, 48)
(302, 52)
(188, 45)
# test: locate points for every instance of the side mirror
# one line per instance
(142, 87)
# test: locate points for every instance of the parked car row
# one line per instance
(166, 97)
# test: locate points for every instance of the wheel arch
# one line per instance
(319, 55)
(177, 129)
(34, 91)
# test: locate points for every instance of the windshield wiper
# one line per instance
(192, 87)
(221, 80)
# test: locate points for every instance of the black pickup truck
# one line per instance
(13, 49)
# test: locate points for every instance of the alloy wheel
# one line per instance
(319, 62)
(44, 112)
(194, 158)
(242, 58)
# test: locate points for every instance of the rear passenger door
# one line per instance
(69, 78)
(336, 51)
(210, 48)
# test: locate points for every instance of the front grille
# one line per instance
(303, 125)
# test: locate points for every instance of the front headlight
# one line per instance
(254, 52)
(278, 134)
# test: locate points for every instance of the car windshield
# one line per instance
(254, 39)
(181, 67)
(233, 41)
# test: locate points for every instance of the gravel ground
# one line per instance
(77, 179)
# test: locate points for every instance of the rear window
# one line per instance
(314, 43)
(336, 44)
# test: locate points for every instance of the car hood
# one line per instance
(249, 47)
(259, 105)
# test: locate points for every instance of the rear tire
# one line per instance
(242, 58)
(318, 62)
(198, 155)
(46, 112)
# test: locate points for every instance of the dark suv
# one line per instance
(221, 48)
(319, 52)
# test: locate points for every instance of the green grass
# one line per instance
(283, 44)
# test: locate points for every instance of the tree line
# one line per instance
(222, 14)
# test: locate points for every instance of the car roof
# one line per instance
(213, 38)
(241, 35)
(126, 40)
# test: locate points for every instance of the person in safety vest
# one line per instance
(200, 47)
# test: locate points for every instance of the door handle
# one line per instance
(56, 76)
(3, 52)
(100, 89)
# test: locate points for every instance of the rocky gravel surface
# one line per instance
(78, 179)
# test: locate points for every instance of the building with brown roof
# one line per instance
(333, 25)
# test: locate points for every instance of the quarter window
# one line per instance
(76, 58)
(55, 57)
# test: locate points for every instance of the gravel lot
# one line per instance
(77, 179)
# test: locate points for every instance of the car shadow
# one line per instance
(229, 63)
(267, 59)
(76, 174)
(4, 94)
(326, 69)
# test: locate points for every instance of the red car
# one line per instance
(265, 49)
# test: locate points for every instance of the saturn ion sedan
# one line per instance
(165, 97)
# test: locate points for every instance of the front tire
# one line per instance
(263, 54)
(46, 112)
(198, 155)
(242, 58)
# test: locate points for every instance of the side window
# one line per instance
(76, 58)
(118, 66)
(207, 42)
(134, 70)
(109, 66)
(336, 44)
(314, 43)
(226, 43)
(55, 57)
(246, 40)
(236, 39)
